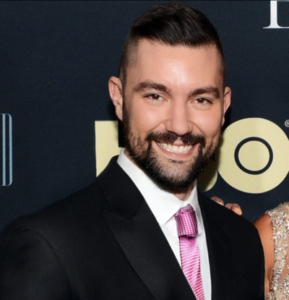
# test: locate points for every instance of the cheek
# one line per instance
(144, 119)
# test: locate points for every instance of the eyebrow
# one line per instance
(206, 90)
(152, 85)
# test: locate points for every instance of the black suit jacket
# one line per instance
(104, 243)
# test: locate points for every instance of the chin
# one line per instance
(172, 175)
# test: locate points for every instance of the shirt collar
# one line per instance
(164, 205)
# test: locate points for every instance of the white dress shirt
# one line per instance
(164, 206)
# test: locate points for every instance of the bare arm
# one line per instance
(264, 227)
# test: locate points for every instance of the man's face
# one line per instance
(172, 107)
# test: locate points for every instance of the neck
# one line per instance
(184, 194)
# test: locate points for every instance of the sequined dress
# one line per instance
(279, 288)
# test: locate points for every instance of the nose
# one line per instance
(178, 120)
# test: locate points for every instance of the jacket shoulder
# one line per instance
(230, 221)
(73, 210)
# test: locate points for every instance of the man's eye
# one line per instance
(154, 97)
(202, 100)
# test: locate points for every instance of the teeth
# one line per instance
(175, 148)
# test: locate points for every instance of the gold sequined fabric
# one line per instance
(279, 288)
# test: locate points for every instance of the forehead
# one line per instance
(175, 64)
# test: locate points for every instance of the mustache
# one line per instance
(170, 137)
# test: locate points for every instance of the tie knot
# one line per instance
(186, 222)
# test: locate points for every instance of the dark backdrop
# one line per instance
(56, 59)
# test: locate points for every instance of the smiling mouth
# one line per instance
(175, 148)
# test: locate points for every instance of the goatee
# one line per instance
(164, 173)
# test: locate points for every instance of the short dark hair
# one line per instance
(171, 24)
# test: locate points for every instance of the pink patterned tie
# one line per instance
(187, 230)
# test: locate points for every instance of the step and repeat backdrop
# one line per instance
(57, 124)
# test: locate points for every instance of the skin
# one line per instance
(177, 89)
(264, 227)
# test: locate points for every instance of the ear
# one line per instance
(227, 102)
(115, 92)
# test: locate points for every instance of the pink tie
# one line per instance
(187, 230)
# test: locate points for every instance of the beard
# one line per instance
(169, 174)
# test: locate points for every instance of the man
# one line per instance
(120, 238)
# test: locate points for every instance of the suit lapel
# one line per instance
(219, 250)
(140, 237)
